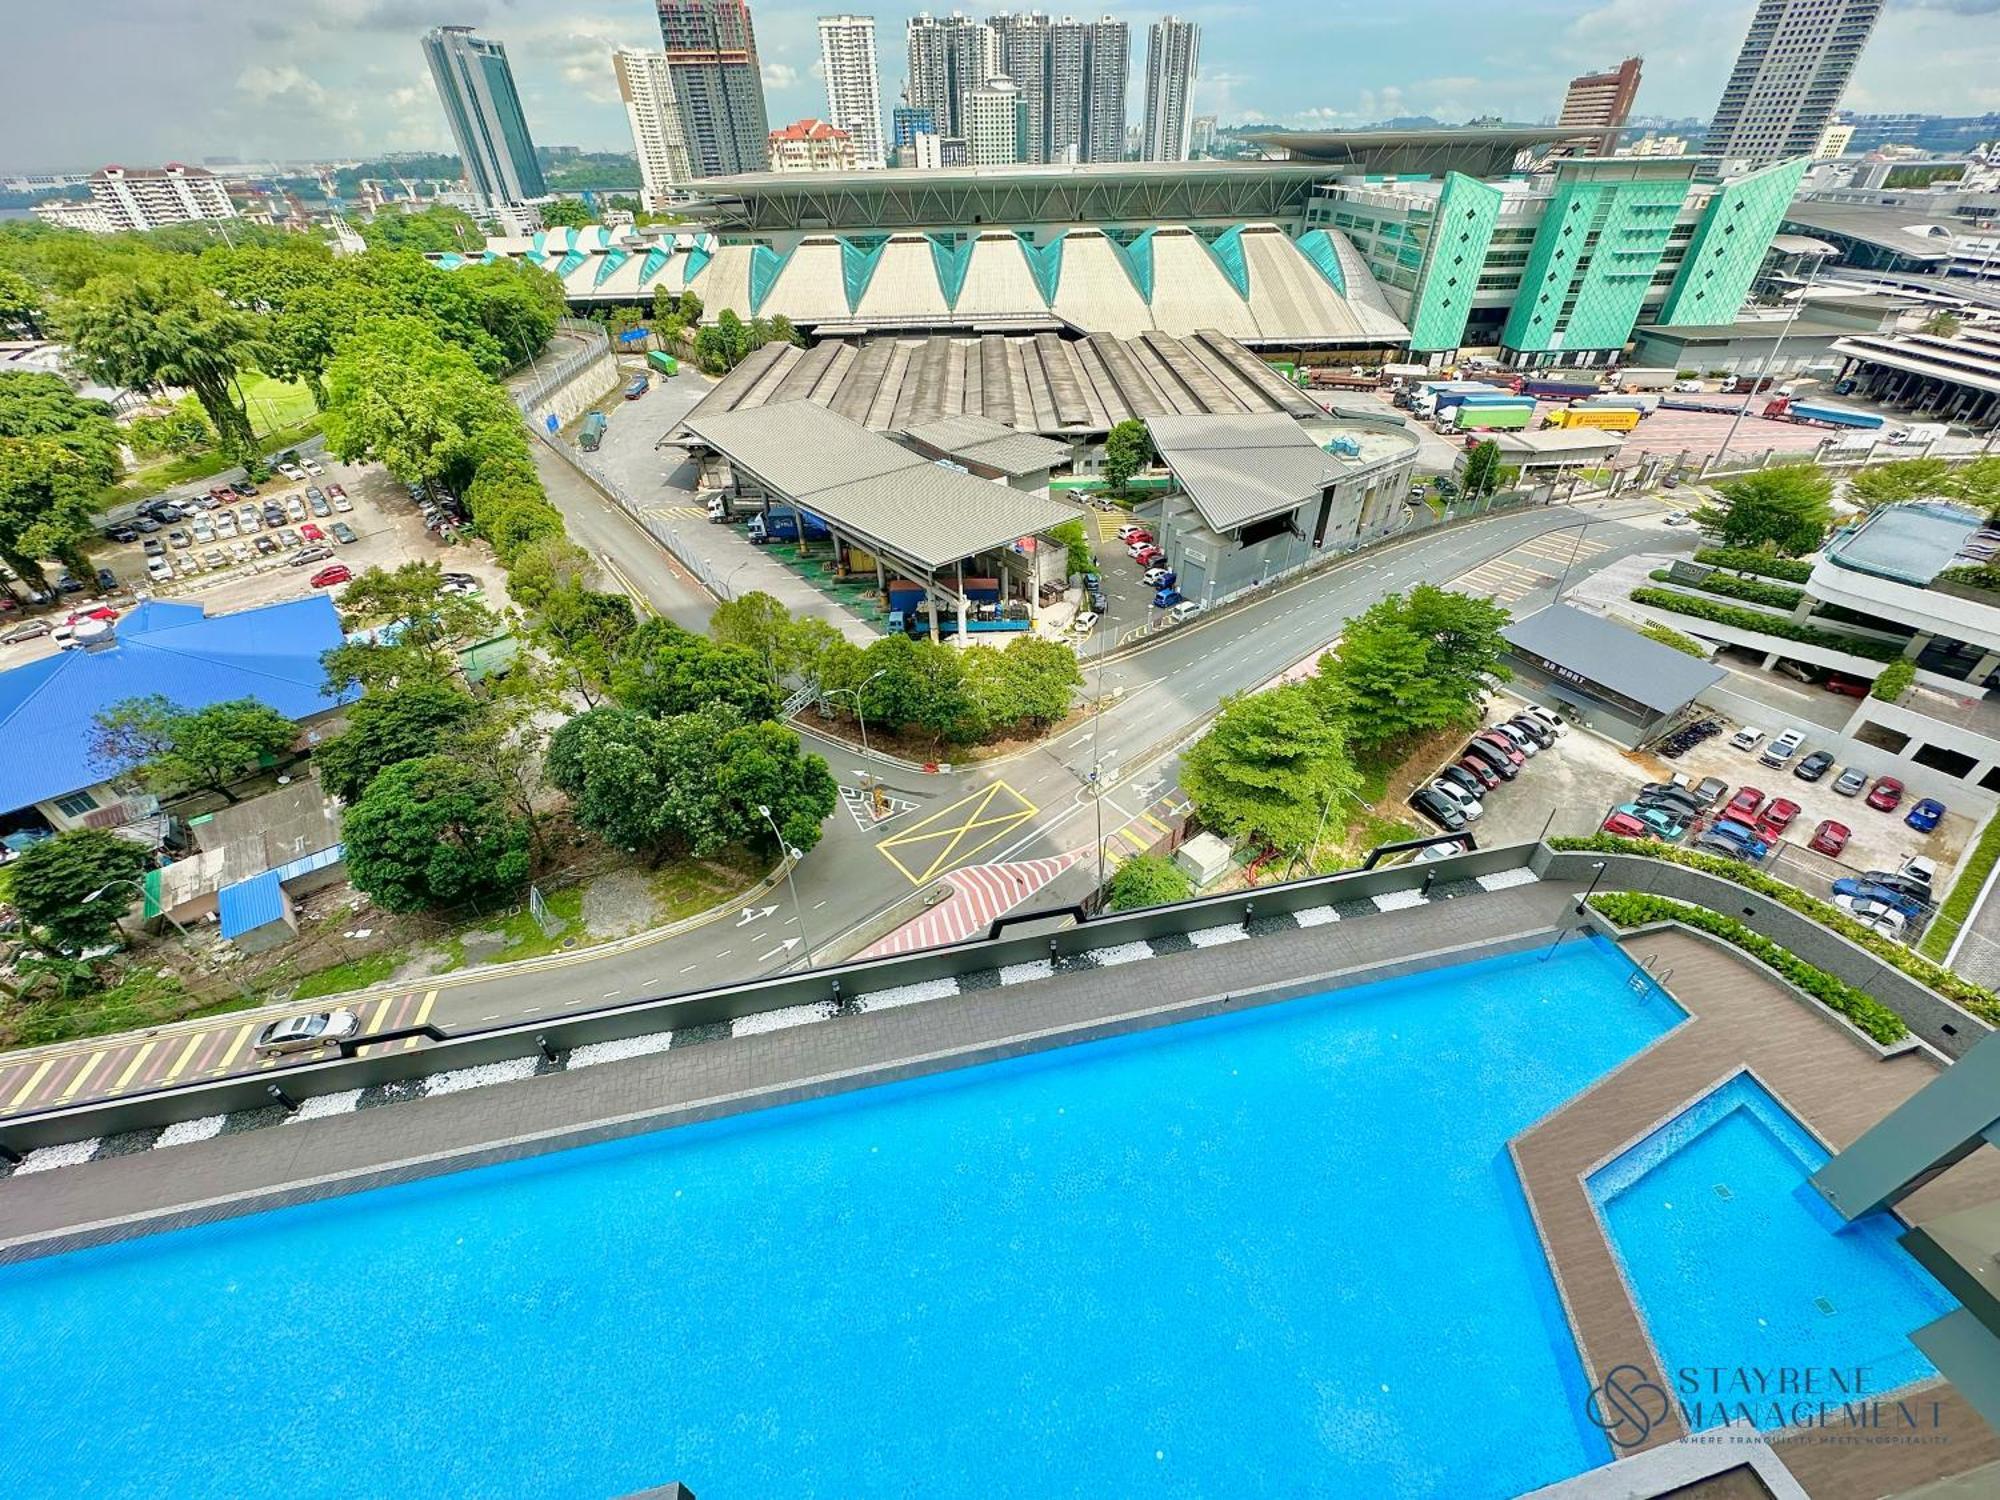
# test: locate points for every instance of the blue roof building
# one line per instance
(177, 651)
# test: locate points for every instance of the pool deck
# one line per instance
(1739, 1017)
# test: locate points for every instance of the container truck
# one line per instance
(1646, 380)
(780, 523)
(1820, 413)
(1554, 390)
(593, 432)
(664, 362)
(1645, 404)
(1489, 417)
(1603, 418)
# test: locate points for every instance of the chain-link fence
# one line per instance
(551, 375)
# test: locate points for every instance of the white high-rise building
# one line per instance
(1794, 66)
(137, 198)
(950, 56)
(1021, 52)
(1085, 110)
(997, 124)
(853, 86)
(646, 84)
(1171, 59)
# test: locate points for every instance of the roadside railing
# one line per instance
(657, 526)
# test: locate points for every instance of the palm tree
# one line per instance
(1940, 324)
(163, 326)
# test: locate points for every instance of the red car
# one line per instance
(1846, 687)
(103, 612)
(326, 578)
(1503, 744)
(1885, 794)
(1145, 557)
(1484, 774)
(1781, 812)
(1745, 803)
(1829, 838)
(1625, 826)
(311, 532)
(334, 492)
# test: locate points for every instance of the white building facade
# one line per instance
(139, 198)
(646, 86)
(949, 57)
(997, 124)
(1172, 57)
(853, 84)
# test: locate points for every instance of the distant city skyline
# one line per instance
(216, 78)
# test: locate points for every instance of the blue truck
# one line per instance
(1823, 414)
(780, 523)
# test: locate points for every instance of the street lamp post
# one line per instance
(1763, 369)
(186, 936)
(792, 857)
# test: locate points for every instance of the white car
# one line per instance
(241, 551)
(1679, 518)
(1879, 915)
(1187, 609)
(304, 1033)
(1542, 716)
(1157, 575)
(1779, 752)
(1130, 530)
(1918, 868)
(295, 507)
(249, 518)
(1746, 738)
(1687, 385)
(311, 466)
(1084, 623)
(203, 533)
(1526, 743)
(225, 525)
(1440, 851)
(292, 472)
(341, 502)
(159, 570)
(1467, 803)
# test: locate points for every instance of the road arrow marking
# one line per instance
(785, 947)
(754, 914)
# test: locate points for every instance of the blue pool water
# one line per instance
(1277, 1253)
(1737, 1264)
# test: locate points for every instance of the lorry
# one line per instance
(780, 523)
(664, 362)
(1821, 413)
(1604, 418)
(1488, 416)
(1554, 390)
(1645, 403)
(593, 432)
(1429, 394)
(1646, 380)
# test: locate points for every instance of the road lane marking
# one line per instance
(82, 1076)
(132, 1067)
(941, 838)
(34, 1082)
(235, 1046)
(187, 1055)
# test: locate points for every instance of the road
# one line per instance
(1033, 805)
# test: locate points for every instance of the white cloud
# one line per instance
(779, 75)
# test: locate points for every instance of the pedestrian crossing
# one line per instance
(1147, 830)
(1537, 563)
(681, 512)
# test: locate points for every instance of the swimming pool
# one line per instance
(1743, 1273)
(1281, 1252)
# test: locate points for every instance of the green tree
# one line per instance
(403, 627)
(585, 631)
(568, 213)
(1128, 447)
(57, 452)
(1786, 508)
(1270, 767)
(1076, 543)
(1411, 664)
(434, 833)
(689, 306)
(405, 722)
(764, 765)
(759, 624)
(181, 429)
(51, 880)
(1481, 473)
(174, 749)
(436, 228)
(665, 670)
(1146, 880)
(398, 393)
(921, 688)
(1978, 484)
(1032, 682)
(20, 303)
(1909, 479)
(548, 565)
(165, 326)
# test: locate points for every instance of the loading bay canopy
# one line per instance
(917, 513)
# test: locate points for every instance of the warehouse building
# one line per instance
(1956, 378)
(1611, 680)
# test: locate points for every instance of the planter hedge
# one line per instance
(1965, 889)
(1749, 619)
(1861, 1010)
(1894, 681)
(1750, 560)
(1729, 586)
(1980, 1001)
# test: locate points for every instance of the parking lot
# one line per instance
(388, 531)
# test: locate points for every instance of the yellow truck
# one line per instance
(1605, 418)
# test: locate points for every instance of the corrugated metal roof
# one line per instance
(1610, 655)
(250, 904)
(47, 707)
(994, 445)
(1239, 469)
(319, 859)
(877, 490)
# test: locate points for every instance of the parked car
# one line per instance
(1464, 780)
(225, 524)
(1829, 838)
(340, 500)
(1467, 804)
(1663, 821)
(213, 558)
(1887, 794)
(159, 570)
(179, 538)
(1780, 751)
(1846, 687)
(120, 534)
(1503, 744)
(1553, 722)
(312, 467)
(1901, 885)
(1534, 728)
(1745, 803)
(335, 491)
(1879, 915)
(1132, 529)
(1159, 577)
(266, 546)
(27, 630)
(249, 517)
(1166, 598)
(1501, 764)
(1478, 770)
(311, 533)
(287, 537)
(274, 516)
(344, 534)
(1148, 555)
(1184, 611)
(1442, 849)
(1524, 742)
(307, 555)
(1625, 826)
(241, 551)
(1734, 840)
(291, 471)
(326, 578)
(153, 547)
(1084, 623)
(1710, 790)
(243, 487)
(1814, 765)
(1746, 738)
(321, 506)
(202, 532)
(295, 507)
(1439, 808)
(1850, 783)
(1925, 815)
(313, 492)
(106, 580)
(1917, 868)
(1780, 812)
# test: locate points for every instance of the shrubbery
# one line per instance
(1729, 586)
(1869, 1015)
(1894, 681)
(1750, 619)
(1753, 560)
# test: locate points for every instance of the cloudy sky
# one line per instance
(254, 79)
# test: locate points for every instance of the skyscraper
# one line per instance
(853, 86)
(1789, 77)
(1085, 109)
(646, 85)
(1021, 54)
(1201, 137)
(996, 123)
(483, 109)
(1171, 50)
(950, 56)
(1600, 102)
(712, 59)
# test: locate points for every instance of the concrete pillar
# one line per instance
(1802, 611)
(1919, 643)
(961, 601)
(1983, 668)
(1771, 661)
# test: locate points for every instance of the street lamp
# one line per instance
(1764, 368)
(856, 692)
(792, 857)
(186, 936)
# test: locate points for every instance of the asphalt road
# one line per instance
(1032, 805)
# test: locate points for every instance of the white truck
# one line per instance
(1917, 434)
(1645, 380)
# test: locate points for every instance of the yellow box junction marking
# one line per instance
(950, 836)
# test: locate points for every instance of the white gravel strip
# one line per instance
(908, 994)
(1122, 953)
(460, 1079)
(782, 1019)
(321, 1105)
(1315, 916)
(1503, 880)
(590, 1054)
(1215, 937)
(1399, 900)
(1027, 973)
(48, 1158)
(187, 1132)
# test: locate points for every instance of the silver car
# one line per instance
(304, 1033)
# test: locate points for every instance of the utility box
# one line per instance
(1204, 857)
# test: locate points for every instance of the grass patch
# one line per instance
(689, 887)
(522, 936)
(353, 974)
(1965, 888)
(149, 479)
(143, 998)
(274, 405)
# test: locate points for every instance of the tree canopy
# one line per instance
(568, 213)
(1409, 664)
(1128, 447)
(433, 833)
(665, 670)
(435, 228)
(1146, 880)
(51, 879)
(1786, 508)
(174, 749)
(399, 723)
(403, 627)
(57, 453)
(1270, 767)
